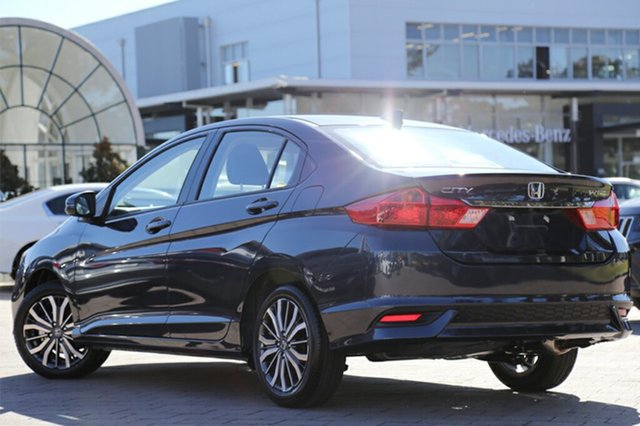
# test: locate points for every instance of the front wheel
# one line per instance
(291, 351)
(535, 372)
(42, 332)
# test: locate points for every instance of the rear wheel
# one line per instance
(291, 351)
(535, 372)
(42, 332)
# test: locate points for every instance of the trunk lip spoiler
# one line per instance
(530, 205)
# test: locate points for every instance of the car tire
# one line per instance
(42, 333)
(542, 371)
(291, 351)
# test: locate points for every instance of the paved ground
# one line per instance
(136, 388)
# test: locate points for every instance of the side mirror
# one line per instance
(82, 204)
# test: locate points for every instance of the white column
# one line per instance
(619, 165)
(199, 116)
(288, 103)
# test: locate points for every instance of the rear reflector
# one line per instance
(415, 208)
(603, 215)
(400, 318)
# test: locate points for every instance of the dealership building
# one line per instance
(538, 75)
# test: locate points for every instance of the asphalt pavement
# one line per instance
(150, 389)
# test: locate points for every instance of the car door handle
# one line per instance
(260, 205)
(157, 225)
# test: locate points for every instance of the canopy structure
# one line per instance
(59, 96)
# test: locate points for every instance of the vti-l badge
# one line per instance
(535, 190)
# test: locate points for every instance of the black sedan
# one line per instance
(294, 242)
(630, 228)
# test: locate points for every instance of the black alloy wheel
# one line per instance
(535, 372)
(291, 351)
(42, 332)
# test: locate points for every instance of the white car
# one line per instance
(27, 218)
(625, 188)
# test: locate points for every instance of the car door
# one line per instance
(216, 237)
(120, 278)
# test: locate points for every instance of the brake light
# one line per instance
(415, 208)
(603, 215)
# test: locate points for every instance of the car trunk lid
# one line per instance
(531, 218)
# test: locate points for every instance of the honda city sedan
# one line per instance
(295, 242)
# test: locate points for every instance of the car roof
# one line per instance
(313, 120)
(360, 120)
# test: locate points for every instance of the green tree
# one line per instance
(10, 180)
(107, 166)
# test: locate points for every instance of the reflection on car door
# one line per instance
(215, 238)
(120, 271)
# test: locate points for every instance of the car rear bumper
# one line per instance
(466, 308)
(469, 326)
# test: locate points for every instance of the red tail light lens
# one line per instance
(603, 215)
(414, 208)
(446, 213)
(402, 208)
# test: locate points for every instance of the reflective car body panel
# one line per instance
(123, 276)
(527, 274)
(630, 228)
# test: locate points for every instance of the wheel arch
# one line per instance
(18, 256)
(38, 277)
(260, 286)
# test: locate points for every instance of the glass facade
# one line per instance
(437, 51)
(58, 98)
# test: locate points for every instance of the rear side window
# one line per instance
(417, 147)
(250, 161)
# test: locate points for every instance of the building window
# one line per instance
(235, 65)
(499, 52)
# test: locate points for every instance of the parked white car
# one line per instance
(27, 218)
(625, 188)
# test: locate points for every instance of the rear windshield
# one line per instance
(410, 147)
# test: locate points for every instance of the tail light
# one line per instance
(603, 215)
(415, 208)
(447, 213)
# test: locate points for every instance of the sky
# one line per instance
(72, 13)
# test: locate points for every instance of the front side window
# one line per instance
(158, 182)
(250, 161)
